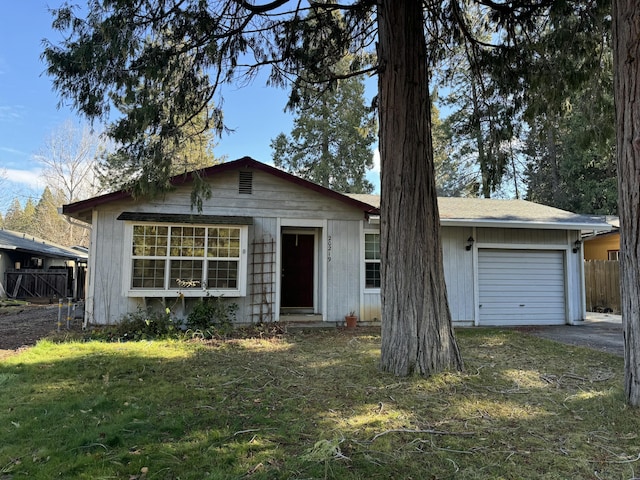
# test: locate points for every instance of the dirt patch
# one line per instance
(22, 326)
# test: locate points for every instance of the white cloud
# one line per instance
(376, 161)
(12, 151)
(30, 178)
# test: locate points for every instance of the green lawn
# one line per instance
(313, 406)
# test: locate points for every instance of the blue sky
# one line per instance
(29, 111)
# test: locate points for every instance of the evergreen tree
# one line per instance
(483, 119)
(331, 140)
(455, 175)
(18, 218)
(572, 162)
(13, 217)
(626, 51)
(28, 217)
(559, 79)
(192, 151)
(50, 225)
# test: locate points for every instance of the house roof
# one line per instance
(21, 242)
(489, 212)
(453, 211)
(78, 208)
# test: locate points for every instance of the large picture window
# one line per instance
(372, 260)
(187, 258)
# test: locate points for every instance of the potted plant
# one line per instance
(351, 319)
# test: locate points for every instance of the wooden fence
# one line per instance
(602, 285)
(37, 283)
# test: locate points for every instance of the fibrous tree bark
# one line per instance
(417, 335)
(626, 51)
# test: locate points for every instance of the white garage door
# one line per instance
(521, 287)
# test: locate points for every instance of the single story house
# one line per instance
(31, 267)
(276, 244)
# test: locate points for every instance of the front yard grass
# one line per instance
(313, 406)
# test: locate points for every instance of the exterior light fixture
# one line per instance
(470, 242)
(576, 245)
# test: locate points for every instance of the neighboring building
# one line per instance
(276, 244)
(604, 245)
(35, 268)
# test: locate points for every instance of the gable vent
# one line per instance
(245, 183)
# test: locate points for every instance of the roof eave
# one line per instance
(492, 223)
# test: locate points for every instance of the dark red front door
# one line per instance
(297, 271)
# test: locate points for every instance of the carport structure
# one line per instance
(35, 268)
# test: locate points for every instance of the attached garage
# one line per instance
(508, 262)
(521, 287)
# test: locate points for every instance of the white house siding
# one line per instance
(273, 203)
(510, 236)
(272, 197)
(343, 269)
(462, 276)
(459, 278)
(105, 303)
(459, 273)
(260, 302)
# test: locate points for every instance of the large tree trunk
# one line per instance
(417, 335)
(626, 51)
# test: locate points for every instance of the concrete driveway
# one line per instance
(600, 331)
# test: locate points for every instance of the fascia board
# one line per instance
(458, 222)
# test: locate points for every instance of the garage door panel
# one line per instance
(534, 301)
(521, 287)
(516, 310)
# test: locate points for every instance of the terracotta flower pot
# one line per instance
(351, 321)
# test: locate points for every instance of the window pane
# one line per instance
(223, 243)
(222, 274)
(187, 241)
(146, 240)
(372, 246)
(186, 274)
(148, 274)
(372, 275)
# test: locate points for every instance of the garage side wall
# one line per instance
(459, 278)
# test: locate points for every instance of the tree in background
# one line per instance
(572, 162)
(331, 141)
(483, 123)
(192, 151)
(20, 219)
(3, 194)
(455, 175)
(560, 82)
(69, 158)
(51, 225)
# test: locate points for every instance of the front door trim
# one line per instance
(313, 297)
(319, 229)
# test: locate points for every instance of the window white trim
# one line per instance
(128, 261)
(364, 261)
